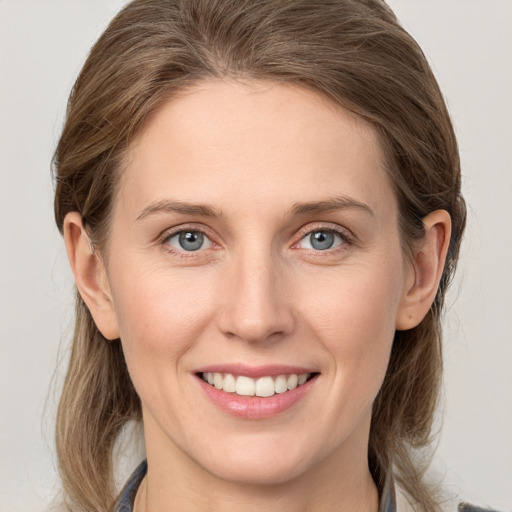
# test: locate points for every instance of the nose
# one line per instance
(256, 304)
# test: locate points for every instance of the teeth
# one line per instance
(302, 378)
(263, 387)
(244, 386)
(280, 384)
(292, 381)
(218, 381)
(229, 383)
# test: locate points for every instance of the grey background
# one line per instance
(42, 46)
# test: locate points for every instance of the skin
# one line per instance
(257, 292)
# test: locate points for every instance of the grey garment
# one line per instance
(466, 507)
(387, 502)
(127, 495)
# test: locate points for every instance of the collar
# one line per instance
(127, 496)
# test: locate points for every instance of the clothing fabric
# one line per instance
(127, 496)
(466, 507)
(388, 502)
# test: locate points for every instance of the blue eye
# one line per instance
(188, 240)
(321, 240)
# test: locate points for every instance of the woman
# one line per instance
(261, 207)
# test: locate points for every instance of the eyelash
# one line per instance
(168, 235)
(346, 239)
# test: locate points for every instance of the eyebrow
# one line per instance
(200, 210)
(328, 205)
(166, 206)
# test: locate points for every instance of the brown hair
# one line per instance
(352, 51)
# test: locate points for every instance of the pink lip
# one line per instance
(255, 372)
(254, 407)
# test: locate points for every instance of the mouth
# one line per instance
(263, 387)
(256, 393)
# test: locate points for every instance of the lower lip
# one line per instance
(255, 407)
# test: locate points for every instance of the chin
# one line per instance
(251, 472)
(269, 463)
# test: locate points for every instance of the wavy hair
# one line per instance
(352, 51)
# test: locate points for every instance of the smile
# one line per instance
(256, 393)
(265, 386)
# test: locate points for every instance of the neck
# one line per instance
(339, 483)
(155, 495)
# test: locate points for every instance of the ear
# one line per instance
(425, 271)
(90, 275)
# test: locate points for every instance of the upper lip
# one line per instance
(255, 372)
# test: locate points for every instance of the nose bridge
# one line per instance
(256, 307)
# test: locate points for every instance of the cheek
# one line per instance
(353, 314)
(161, 313)
(357, 301)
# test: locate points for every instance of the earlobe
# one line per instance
(427, 267)
(90, 275)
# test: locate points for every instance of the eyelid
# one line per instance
(310, 228)
(175, 241)
(304, 231)
(200, 228)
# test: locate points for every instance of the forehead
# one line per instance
(254, 142)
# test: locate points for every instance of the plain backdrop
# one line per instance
(43, 44)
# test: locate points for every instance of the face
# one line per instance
(254, 245)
